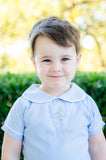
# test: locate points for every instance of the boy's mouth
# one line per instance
(56, 76)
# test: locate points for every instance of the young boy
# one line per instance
(56, 120)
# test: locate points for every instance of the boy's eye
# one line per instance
(65, 59)
(46, 60)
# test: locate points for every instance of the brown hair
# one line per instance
(60, 31)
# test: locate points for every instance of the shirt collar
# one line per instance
(34, 94)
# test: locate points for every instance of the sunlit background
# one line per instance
(18, 17)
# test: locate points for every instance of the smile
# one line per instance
(56, 76)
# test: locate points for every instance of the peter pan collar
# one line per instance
(34, 94)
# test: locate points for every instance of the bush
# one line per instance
(12, 86)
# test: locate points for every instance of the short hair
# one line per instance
(58, 30)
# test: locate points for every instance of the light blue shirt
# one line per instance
(54, 128)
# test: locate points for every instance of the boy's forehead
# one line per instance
(45, 44)
(42, 39)
(44, 53)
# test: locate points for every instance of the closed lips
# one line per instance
(55, 76)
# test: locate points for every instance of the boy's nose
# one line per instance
(56, 67)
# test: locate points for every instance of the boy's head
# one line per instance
(60, 31)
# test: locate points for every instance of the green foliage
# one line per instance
(12, 86)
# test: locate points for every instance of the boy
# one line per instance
(57, 119)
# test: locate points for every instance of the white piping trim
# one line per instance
(12, 130)
(77, 100)
(96, 127)
(45, 101)
(60, 97)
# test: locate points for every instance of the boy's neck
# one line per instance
(55, 92)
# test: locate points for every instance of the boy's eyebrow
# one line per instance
(44, 57)
(47, 57)
(66, 55)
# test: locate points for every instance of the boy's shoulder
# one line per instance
(26, 98)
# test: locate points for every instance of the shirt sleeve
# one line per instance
(14, 123)
(96, 122)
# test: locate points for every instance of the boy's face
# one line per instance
(55, 64)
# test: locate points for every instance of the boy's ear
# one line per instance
(34, 63)
(78, 60)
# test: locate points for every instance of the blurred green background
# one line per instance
(18, 17)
